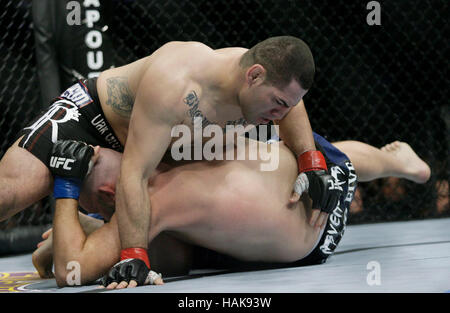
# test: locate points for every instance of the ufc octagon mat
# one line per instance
(397, 257)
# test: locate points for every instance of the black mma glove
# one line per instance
(134, 265)
(322, 187)
(69, 162)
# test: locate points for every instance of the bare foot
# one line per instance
(415, 168)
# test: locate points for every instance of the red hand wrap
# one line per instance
(311, 161)
(135, 253)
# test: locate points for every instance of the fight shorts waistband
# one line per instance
(77, 115)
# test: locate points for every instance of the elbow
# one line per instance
(60, 281)
(78, 272)
(60, 276)
(68, 273)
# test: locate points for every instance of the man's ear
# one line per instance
(96, 154)
(108, 192)
(255, 74)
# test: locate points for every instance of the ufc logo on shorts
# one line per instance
(56, 162)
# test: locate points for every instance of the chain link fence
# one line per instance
(19, 101)
(375, 84)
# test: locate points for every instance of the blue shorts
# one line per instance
(341, 168)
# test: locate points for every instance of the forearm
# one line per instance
(133, 212)
(45, 251)
(295, 130)
(85, 240)
(88, 224)
(76, 256)
(68, 237)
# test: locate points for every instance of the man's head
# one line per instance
(278, 73)
(98, 191)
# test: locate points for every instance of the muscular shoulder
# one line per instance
(189, 47)
(181, 53)
(170, 74)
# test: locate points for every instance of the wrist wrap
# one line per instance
(311, 161)
(135, 253)
(65, 187)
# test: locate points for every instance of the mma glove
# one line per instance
(69, 162)
(314, 178)
(133, 265)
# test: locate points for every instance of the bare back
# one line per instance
(235, 208)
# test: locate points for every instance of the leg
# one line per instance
(397, 159)
(24, 180)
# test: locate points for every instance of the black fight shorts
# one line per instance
(75, 115)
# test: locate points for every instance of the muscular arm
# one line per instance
(95, 252)
(296, 132)
(154, 115)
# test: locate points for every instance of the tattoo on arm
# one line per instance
(120, 97)
(193, 102)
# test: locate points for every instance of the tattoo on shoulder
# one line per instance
(120, 97)
(192, 101)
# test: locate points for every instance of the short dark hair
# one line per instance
(284, 58)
